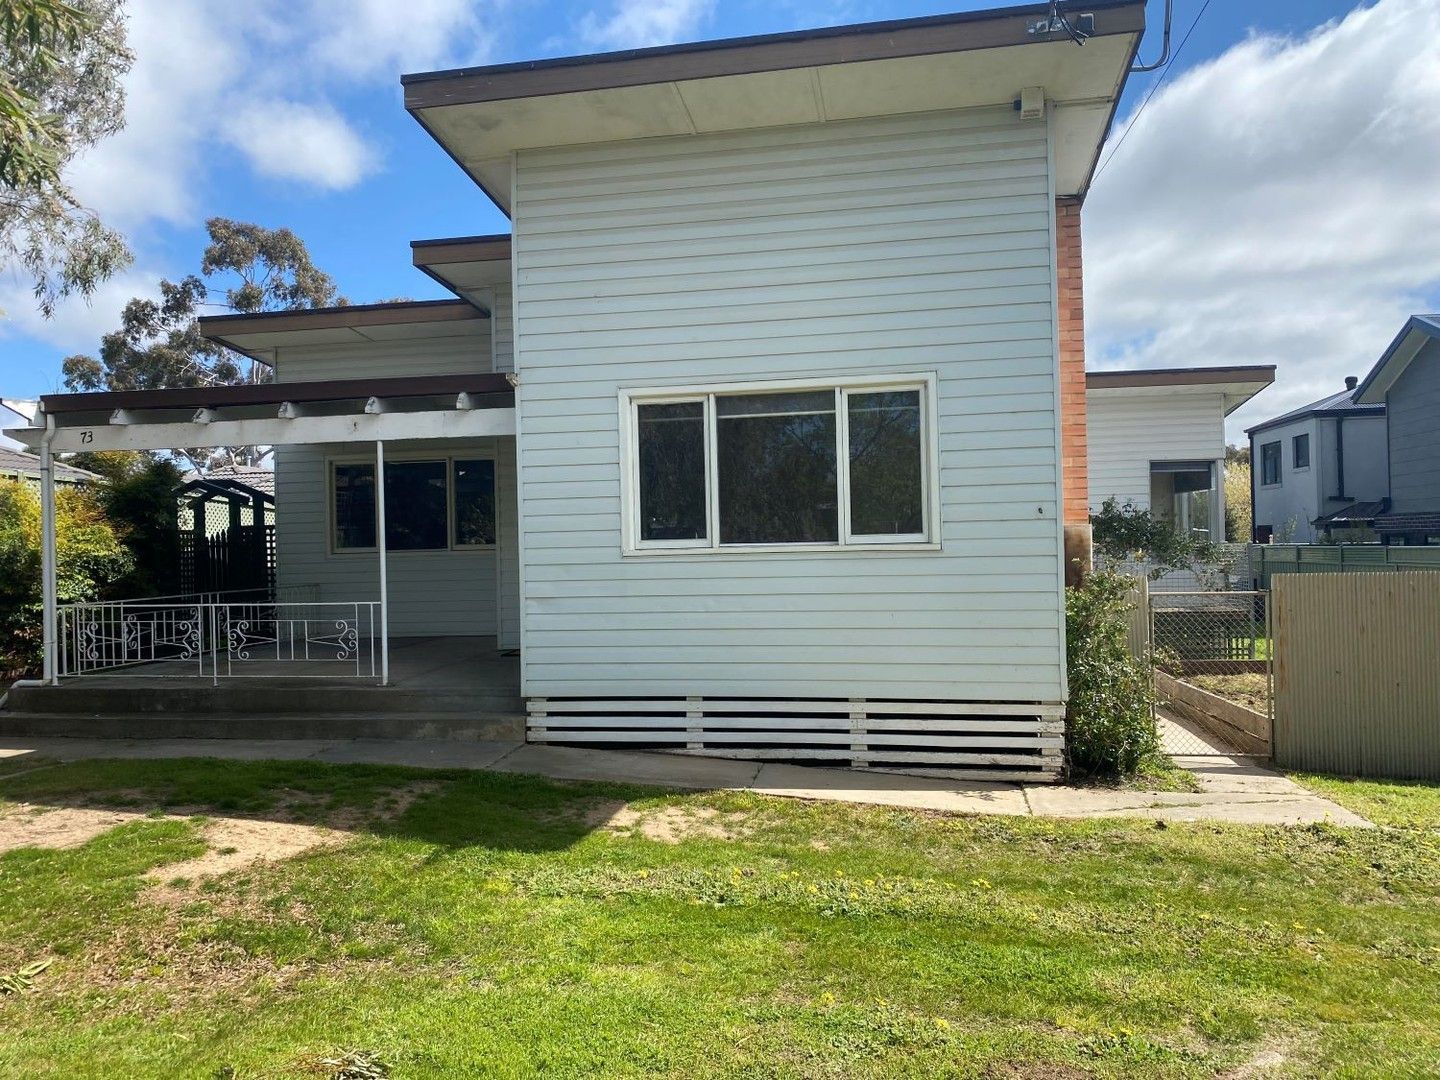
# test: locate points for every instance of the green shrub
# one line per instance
(140, 502)
(90, 560)
(1110, 720)
(1125, 531)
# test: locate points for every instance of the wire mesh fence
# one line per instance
(1213, 675)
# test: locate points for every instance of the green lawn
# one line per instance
(488, 925)
(1412, 804)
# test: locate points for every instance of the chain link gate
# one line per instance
(1212, 657)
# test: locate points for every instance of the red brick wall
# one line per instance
(1073, 449)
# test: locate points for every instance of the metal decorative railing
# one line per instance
(212, 639)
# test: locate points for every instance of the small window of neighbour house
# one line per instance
(808, 466)
(1270, 463)
(1300, 452)
(430, 505)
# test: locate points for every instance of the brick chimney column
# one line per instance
(1074, 450)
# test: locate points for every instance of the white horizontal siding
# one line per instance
(431, 592)
(1127, 431)
(448, 593)
(457, 355)
(910, 244)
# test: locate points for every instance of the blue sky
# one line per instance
(290, 114)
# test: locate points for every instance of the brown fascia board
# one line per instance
(217, 397)
(217, 327)
(895, 39)
(1261, 374)
(461, 249)
(431, 256)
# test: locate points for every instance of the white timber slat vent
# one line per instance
(974, 740)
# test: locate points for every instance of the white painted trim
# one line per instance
(1057, 396)
(304, 430)
(517, 248)
(630, 398)
(384, 561)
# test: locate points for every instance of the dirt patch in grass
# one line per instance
(30, 825)
(663, 824)
(292, 827)
(234, 844)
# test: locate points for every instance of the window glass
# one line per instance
(885, 463)
(354, 506)
(777, 468)
(671, 451)
(415, 514)
(1302, 451)
(474, 486)
(1270, 463)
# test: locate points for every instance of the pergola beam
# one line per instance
(136, 433)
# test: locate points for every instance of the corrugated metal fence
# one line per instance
(1266, 560)
(1357, 673)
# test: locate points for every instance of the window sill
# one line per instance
(347, 552)
(784, 549)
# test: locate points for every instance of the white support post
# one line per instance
(384, 571)
(47, 551)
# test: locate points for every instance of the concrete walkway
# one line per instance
(1234, 790)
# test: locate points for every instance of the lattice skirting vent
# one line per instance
(976, 740)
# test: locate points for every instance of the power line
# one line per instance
(1160, 79)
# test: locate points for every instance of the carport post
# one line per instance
(47, 550)
(380, 547)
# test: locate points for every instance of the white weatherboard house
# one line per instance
(748, 436)
(1157, 440)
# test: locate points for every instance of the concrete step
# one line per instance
(234, 699)
(265, 726)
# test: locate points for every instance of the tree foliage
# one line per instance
(61, 66)
(91, 562)
(1239, 523)
(1110, 717)
(140, 505)
(1125, 531)
(244, 269)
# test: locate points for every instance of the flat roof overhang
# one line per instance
(271, 414)
(260, 334)
(1237, 383)
(469, 266)
(482, 115)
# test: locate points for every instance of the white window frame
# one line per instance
(448, 458)
(633, 397)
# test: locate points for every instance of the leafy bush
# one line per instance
(1127, 532)
(1110, 720)
(90, 561)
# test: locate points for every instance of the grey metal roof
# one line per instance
(1341, 404)
(18, 462)
(1355, 512)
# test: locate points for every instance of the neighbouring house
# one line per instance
(760, 433)
(16, 463)
(1405, 383)
(1157, 440)
(1319, 472)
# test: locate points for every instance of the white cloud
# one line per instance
(1276, 205)
(78, 323)
(638, 24)
(383, 38)
(184, 63)
(285, 140)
